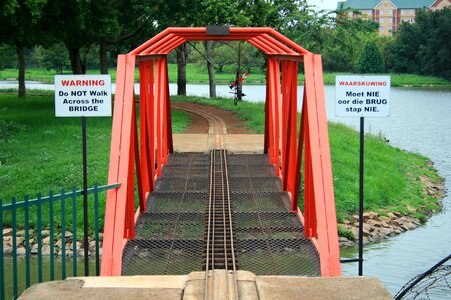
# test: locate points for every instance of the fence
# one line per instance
(36, 227)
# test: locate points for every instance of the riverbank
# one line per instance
(401, 193)
(395, 184)
(197, 75)
(380, 225)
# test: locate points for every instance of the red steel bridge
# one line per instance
(221, 211)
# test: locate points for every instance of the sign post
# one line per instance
(362, 96)
(83, 96)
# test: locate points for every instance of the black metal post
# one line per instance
(85, 197)
(361, 171)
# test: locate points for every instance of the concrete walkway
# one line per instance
(235, 143)
(191, 287)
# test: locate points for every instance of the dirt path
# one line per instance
(199, 119)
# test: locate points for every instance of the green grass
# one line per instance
(198, 74)
(251, 113)
(39, 152)
(392, 177)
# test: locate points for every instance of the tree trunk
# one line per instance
(103, 52)
(75, 60)
(208, 45)
(21, 54)
(182, 55)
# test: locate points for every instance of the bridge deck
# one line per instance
(170, 235)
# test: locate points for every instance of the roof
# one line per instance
(359, 4)
(371, 4)
(413, 3)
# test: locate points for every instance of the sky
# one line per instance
(324, 4)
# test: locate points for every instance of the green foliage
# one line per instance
(55, 58)
(393, 183)
(424, 47)
(39, 152)
(7, 130)
(44, 153)
(370, 61)
(8, 57)
(346, 233)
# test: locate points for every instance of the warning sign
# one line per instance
(82, 95)
(362, 96)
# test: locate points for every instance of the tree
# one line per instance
(179, 13)
(8, 57)
(55, 58)
(71, 23)
(119, 21)
(19, 22)
(423, 47)
(370, 61)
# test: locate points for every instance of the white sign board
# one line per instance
(362, 96)
(82, 95)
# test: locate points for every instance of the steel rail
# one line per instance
(224, 222)
(217, 126)
(232, 246)
(207, 265)
(220, 219)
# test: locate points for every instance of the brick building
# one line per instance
(389, 13)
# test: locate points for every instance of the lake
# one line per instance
(420, 121)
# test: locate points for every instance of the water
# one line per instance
(46, 271)
(419, 122)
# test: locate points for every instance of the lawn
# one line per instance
(392, 179)
(39, 152)
(198, 74)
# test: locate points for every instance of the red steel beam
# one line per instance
(160, 91)
(113, 174)
(318, 149)
(170, 45)
(297, 180)
(164, 110)
(150, 116)
(274, 83)
(290, 118)
(285, 121)
(326, 166)
(267, 114)
(170, 143)
(144, 133)
(120, 158)
(260, 46)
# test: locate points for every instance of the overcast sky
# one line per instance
(324, 4)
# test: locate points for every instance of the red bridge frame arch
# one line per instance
(285, 146)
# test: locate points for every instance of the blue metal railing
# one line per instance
(34, 216)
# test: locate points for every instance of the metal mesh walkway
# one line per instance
(169, 236)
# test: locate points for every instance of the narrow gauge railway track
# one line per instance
(219, 252)
(217, 126)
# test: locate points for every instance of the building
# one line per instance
(389, 13)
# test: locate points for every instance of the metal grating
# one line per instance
(272, 256)
(247, 159)
(251, 171)
(177, 201)
(169, 225)
(256, 184)
(169, 236)
(188, 159)
(187, 183)
(182, 170)
(261, 201)
(162, 257)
